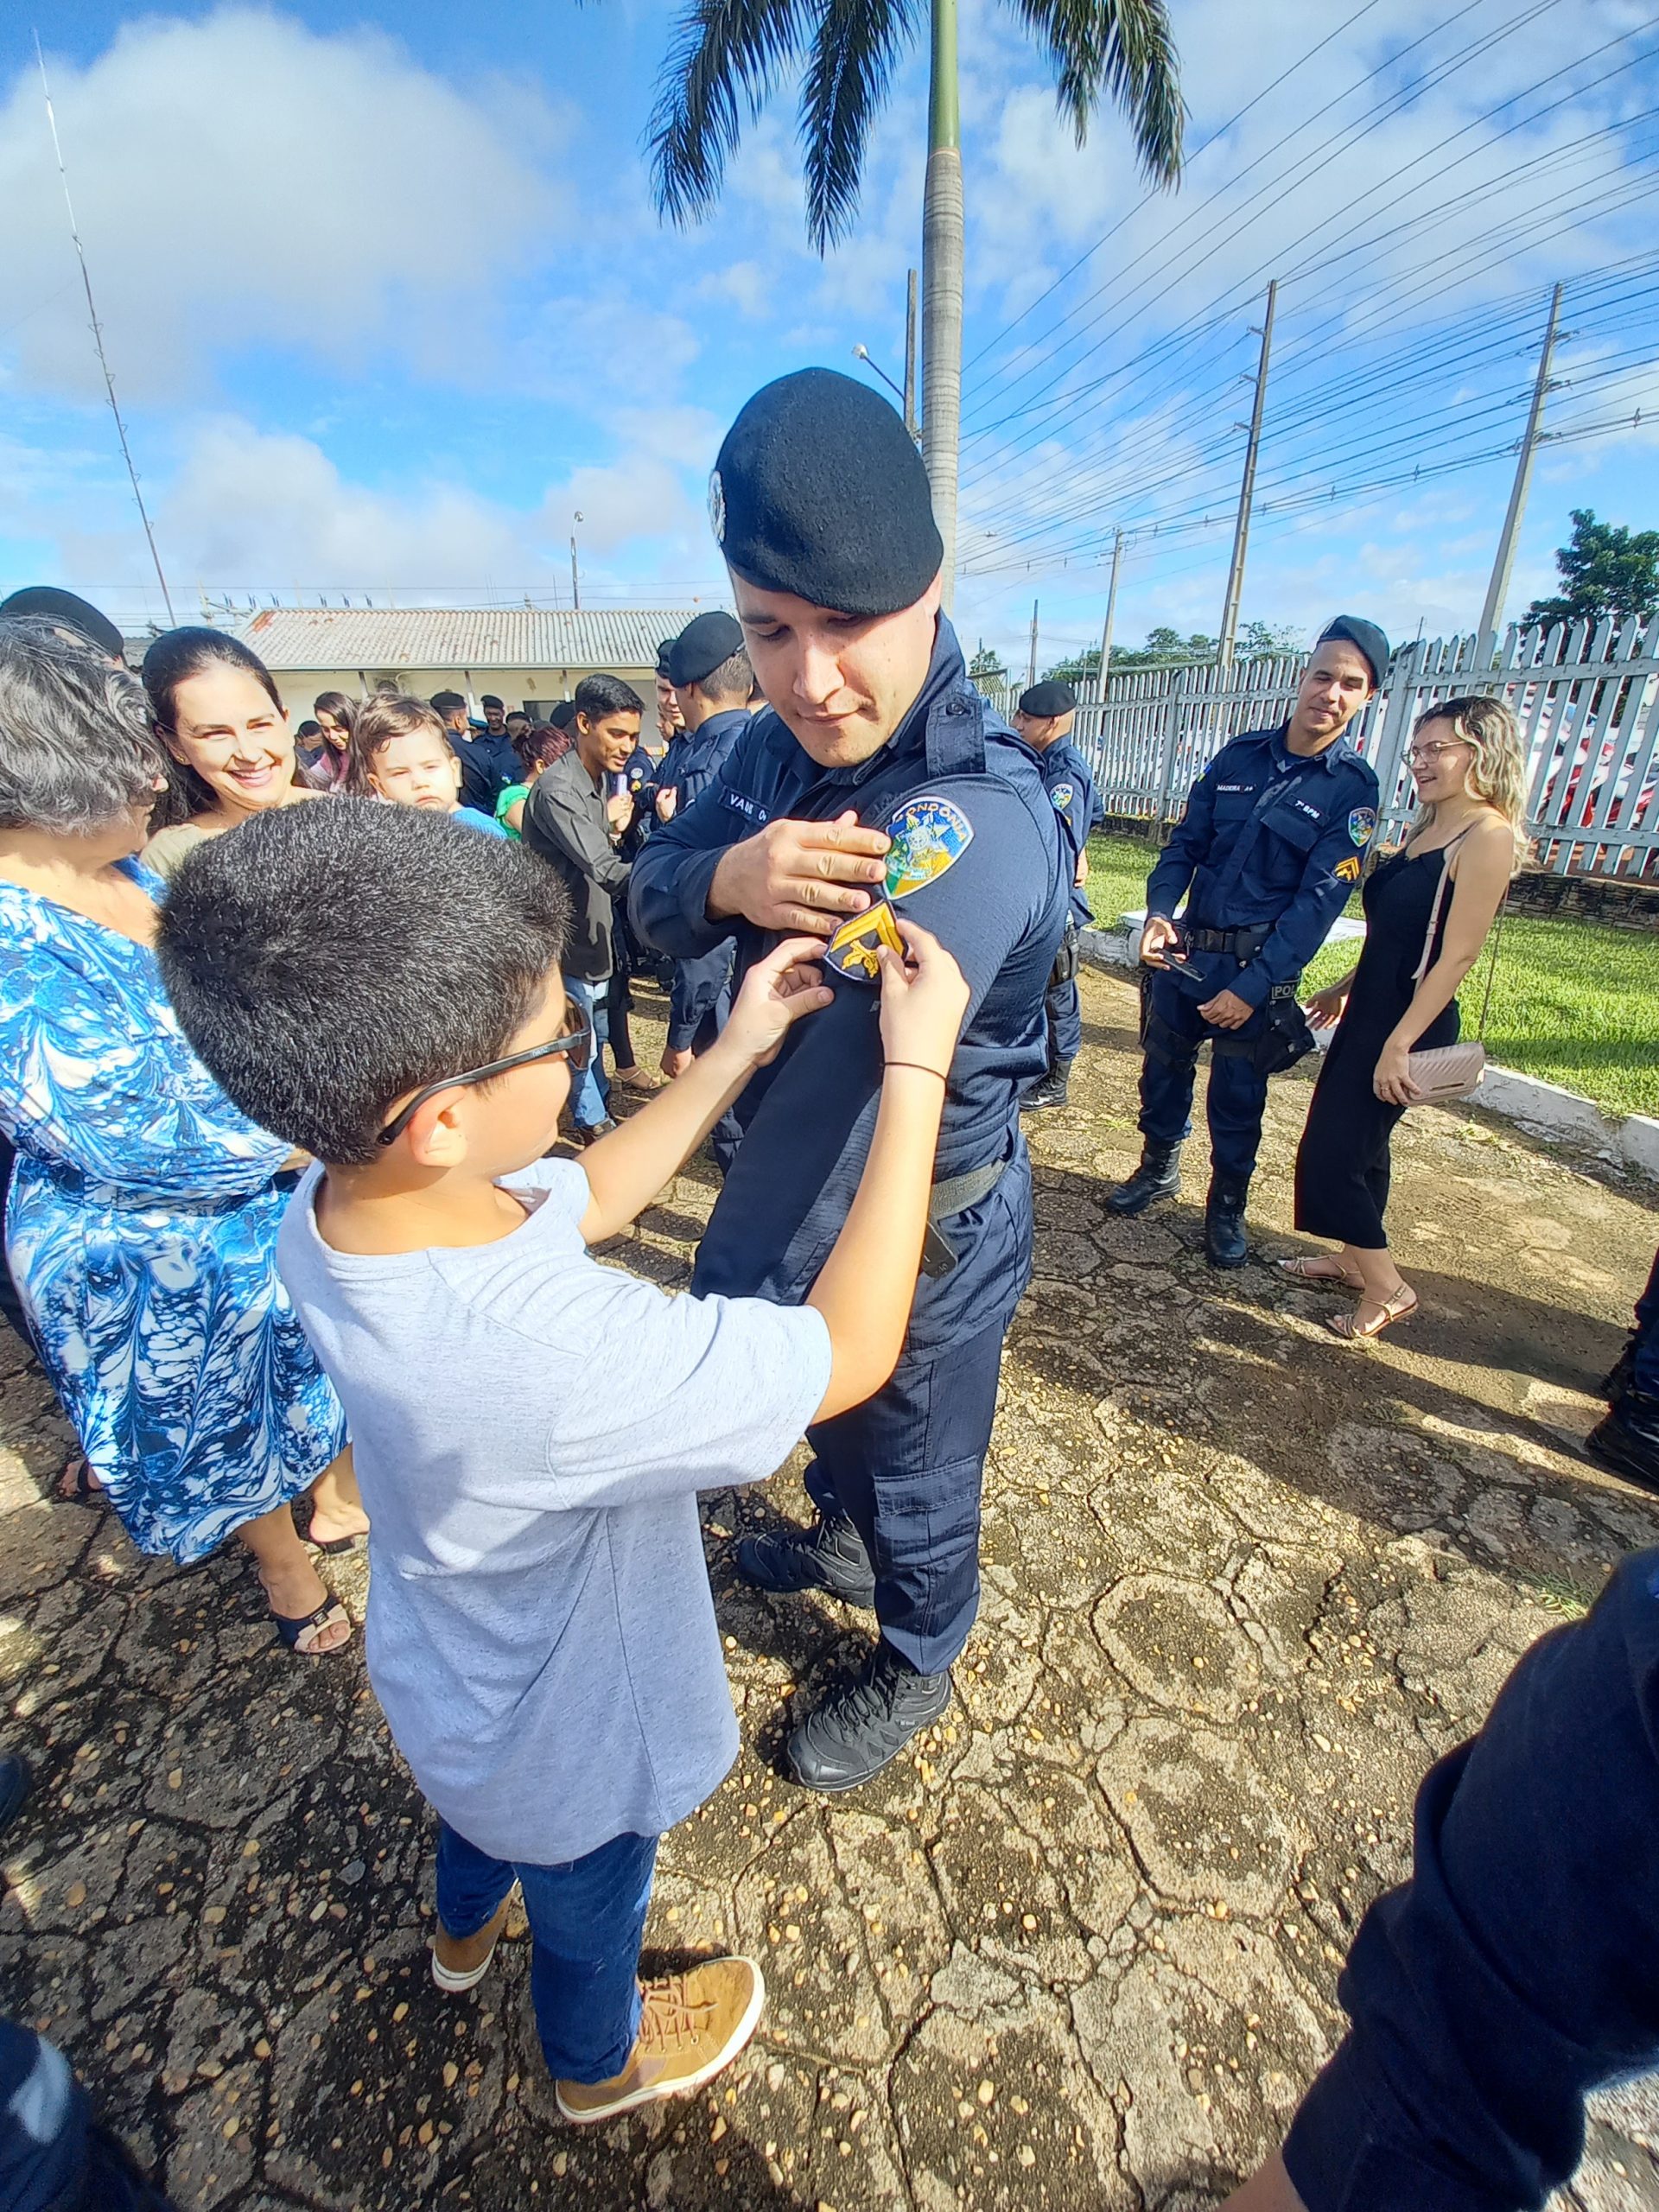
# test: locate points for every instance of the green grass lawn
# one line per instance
(1575, 1002)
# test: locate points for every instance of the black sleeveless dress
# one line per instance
(1342, 1163)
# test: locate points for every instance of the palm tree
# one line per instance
(726, 55)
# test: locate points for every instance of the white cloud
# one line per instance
(242, 182)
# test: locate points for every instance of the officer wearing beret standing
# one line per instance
(1046, 717)
(1267, 853)
(879, 780)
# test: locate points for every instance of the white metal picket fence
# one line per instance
(1586, 698)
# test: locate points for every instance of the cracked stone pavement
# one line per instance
(1243, 1584)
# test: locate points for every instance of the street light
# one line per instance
(862, 354)
(575, 586)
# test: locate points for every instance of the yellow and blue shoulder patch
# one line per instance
(1347, 871)
(929, 836)
(1062, 795)
(853, 951)
(1362, 824)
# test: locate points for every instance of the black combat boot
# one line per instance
(1050, 1092)
(1158, 1176)
(862, 1725)
(829, 1555)
(1627, 1441)
(1617, 1381)
(1225, 1244)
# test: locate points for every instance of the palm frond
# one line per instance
(1125, 46)
(722, 52)
(854, 52)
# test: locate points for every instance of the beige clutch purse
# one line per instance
(1446, 1072)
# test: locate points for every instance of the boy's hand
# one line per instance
(776, 992)
(924, 998)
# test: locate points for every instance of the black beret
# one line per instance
(705, 642)
(1046, 701)
(563, 715)
(663, 651)
(69, 613)
(1366, 640)
(818, 491)
(489, 700)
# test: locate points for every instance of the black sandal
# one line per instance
(84, 1488)
(335, 1547)
(326, 1616)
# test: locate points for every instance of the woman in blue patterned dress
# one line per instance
(143, 1220)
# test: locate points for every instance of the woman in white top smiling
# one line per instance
(230, 748)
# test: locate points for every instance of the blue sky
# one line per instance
(388, 305)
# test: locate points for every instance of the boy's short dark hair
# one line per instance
(332, 958)
(599, 696)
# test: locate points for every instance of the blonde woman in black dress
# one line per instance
(1470, 769)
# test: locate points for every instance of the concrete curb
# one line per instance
(1540, 1108)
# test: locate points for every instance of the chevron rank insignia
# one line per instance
(853, 949)
(1347, 871)
(1362, 824)
(929, 836)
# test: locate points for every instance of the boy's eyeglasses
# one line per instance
(576, 1046)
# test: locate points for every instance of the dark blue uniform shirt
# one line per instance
(1000, 908)
(702, 986)
(1071, 793)
(1519, 1967)
(1270, 837)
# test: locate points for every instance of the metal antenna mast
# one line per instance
(97, 339)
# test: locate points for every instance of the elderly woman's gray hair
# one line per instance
(76, 747)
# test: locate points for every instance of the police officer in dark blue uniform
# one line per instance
(1046, 717)
(879, 780)
(1268, 852)
(711, 677)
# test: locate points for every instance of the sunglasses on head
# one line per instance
(576, 1046)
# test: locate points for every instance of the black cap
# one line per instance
(662, 652)
(1366, 640)
(563, 715)
(1046, 701)
(69, 613)
(705, 642)
(490, 700)
(818, 490)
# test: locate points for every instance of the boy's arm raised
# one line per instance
(865, 1288)
(626, 1169)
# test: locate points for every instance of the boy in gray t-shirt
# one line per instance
(381, 987)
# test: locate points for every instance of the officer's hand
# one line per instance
(1154, 937)
(924, 998)
(776, 992)
(1225, 1011)
(799, 875)
(666, 803)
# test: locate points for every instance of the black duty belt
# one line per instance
(1243, 945)
(954, 1195)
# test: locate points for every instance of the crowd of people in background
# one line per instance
(234, 1002)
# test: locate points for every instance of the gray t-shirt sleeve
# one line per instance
(671, 1394)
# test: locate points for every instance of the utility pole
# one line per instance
(1111, 609)
(941, 284)
(1246, 494)
(911, 423)
(1031, 664)
(1498, 590)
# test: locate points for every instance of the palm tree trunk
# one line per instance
(942, 279)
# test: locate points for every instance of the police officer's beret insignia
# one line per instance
(1062, 795)
(1362, 824)
(717, 507)
(1347, 871)
(929, 836)
(853, 952)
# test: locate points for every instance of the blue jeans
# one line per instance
(54, 2155)
(590, 1094)
(586, 1920)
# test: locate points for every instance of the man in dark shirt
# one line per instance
(566, 820)
(488, 763)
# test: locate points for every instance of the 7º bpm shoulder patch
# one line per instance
(929, 836)
(1362, 824)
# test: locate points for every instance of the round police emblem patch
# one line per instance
(928, 835)
(1362, 824)
(717, 507)
(1062, 795)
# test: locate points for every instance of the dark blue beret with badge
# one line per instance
(1047, 702)
(818, 491)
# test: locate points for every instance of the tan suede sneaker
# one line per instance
(461, 1962)
(692, 2024)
